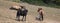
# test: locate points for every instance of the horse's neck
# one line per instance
(40, 11)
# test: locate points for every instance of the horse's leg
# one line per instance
(22, 18)
(25, 18)
(18, 18)
(42, 17)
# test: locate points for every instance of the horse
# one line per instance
(40, 16)
(20, 12)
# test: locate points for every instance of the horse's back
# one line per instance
(22, 12)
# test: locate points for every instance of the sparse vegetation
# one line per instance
(48, 3)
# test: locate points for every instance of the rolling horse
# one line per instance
(20, 12)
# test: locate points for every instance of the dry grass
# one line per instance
(52, 15)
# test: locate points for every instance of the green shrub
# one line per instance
(51, 3)
(16, 1)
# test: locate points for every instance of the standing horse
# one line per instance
(22, 12)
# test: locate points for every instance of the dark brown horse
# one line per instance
(20, 12)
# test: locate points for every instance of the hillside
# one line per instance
(52, 15)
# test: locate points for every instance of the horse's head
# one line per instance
(39, 9)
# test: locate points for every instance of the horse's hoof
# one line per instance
(21, 20)
(17, 20)
(24, 20)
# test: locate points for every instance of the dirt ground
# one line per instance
(52, 15)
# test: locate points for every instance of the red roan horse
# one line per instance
(40, 16)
